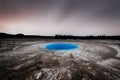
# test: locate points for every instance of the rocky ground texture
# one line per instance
(27, 59)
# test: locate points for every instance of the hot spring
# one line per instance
(61, 46)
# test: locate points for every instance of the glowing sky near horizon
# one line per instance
(70, 17)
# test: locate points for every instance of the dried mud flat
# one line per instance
(27, 59)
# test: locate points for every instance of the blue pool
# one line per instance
(61, 46)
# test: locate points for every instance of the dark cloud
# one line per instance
(61, 12)
(108, 8)
(113, 10)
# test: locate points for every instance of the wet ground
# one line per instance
(28, 59)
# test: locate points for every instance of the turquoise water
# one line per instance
(61, 46)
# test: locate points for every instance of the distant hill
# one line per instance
(5, 35)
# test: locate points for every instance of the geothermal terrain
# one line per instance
(28, 59)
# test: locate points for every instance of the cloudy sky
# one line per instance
(70, 17)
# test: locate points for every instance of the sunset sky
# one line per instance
(70, 17)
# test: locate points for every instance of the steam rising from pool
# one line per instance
(61, 46)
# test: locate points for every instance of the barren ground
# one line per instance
(27, 59)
